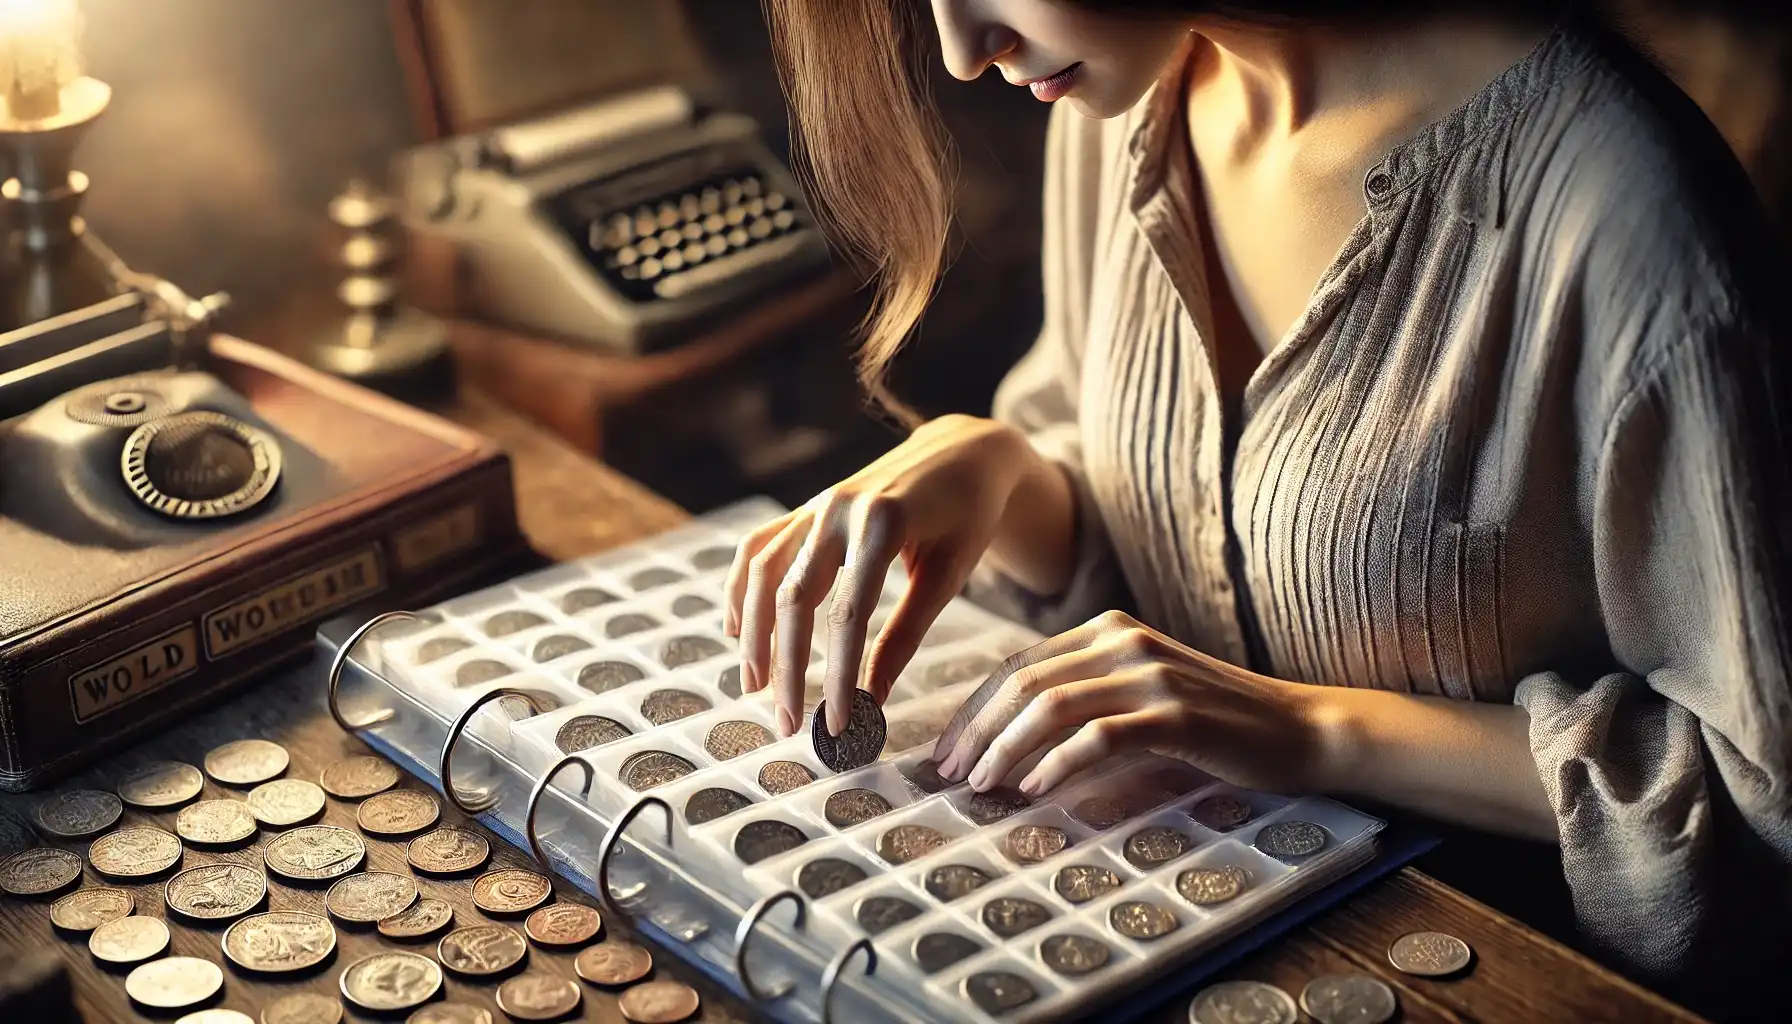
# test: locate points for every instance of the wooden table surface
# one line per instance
(571, 506)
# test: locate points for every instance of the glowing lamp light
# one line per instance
(40, 56)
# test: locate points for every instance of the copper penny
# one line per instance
(613, 962)
(993, 805)
(563, 924)
(848, 807)
(907, 842)
(447, 851)
(658, 1002)
(729, 740)
(538, 996)
(481, 950)
(1099, 812)
(662, 707)
(425, 917)
(649, 768)
(510, 891)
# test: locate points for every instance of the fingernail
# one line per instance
(979, 776)
(948, 768)
(837, 722)
(785, 726)
(1030, 786)
(749, 678)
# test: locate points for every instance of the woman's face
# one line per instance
(1100, 63)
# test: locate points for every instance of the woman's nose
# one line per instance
(970, 41)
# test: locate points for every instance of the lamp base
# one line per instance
(404, 354)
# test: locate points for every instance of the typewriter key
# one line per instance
(314, 853)
(1080, 883)
(481, 950)
(1074, 955)
(583, 599)
(86, 909)
(613, 962)
(563, 924)
(135, 852)
(1151, 847)
(279, 942)
(510, 891)
(481, 671)
(850, 807)
(370, 896)
(215, 892)
(1142, 921)
(1009, 916)
(758, 840)
(128, 940)
(397, 812)
(1205, 887)
(780, 777)
(936, 951)
(907, 842)
(729, 740)
(1030, 844)
(859, 743)
(77, 813)
(709, 804)
(317, 1008)
(215, 822)
(538, 997)
(878, 914)
(285, 802)
(997, 992)
(174, 983)
(587, 731)
(658, 1002)
(355, 778)
(993, 805)
(424, 917)
(448, 851)
(246, 762)
(688, 650)
(162, 784)
(604, 676)
(514, 621)
(558, 646)
(949, 882)
(387, 982)
(649, 768)
(825, 876)
(663, 706)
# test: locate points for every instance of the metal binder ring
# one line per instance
(541, 786)
(744, 931)
(478, 806)
(341, 659)
(608, 847)
(832, 974)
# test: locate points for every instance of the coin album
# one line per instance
(975, 908)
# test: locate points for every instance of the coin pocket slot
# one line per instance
(876, 906)
(469, 610)
(406, 656)
(1011, 909)
(678, 645)
(1075, 953)
(794, 749)
(932, 945)
(1020, 850)
(546, 584)
(699, 729)
(544, 739)
(606, 669)
(977, 854)
(714, 807)
(922, 826)
(847, 812)
(820, 870)
(1225, 808)
(992, 1002)
(552, 642)
(495, 724)
(610, 759)
(1260, 874)
(745, 839)
(1149, 844)
(1186, 924)
(1341, 825)
(464, 672)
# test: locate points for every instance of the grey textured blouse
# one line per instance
(1527, 444)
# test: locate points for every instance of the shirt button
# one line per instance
(1380, 183)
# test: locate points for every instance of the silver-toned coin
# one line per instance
(246, 762)
(991, 806)
(649, 768)
(481, 950)
(1205, 887)
(1152, 847)
(86, 909)
(719, 556)
(448, 851)
(216, 1015)
(729, 740)
(712, 803)
(480, 671)
(38, 871)
(655, 576)
(1009, 916)
(1353, 998)
(825, 876)
(314, 853)
(1222, 813)
(613, 962)
(1074, 955)
(780, 777)
(1429, 954)
(877, 914)
(936, 951)
(279, 942)
(1030, 844)
(174, 983)
(161, 784)
(128, 940)
(848, 807)
(549, 648)
(538, 702)
(135, 852)
(510, 891)
(514, 620)
(370, 896)
(304, 1008)
(1142, 921)
(437, 648)
(604, 676)
(215, 892)
(757, 840)
(385, 982)
(689, 650)
(1243, 1002)
(629, 624)
(215, 822)
(859, 743)
(563, 924)
(907, 842)
(425, 917)
(583, 599)
(997, 992)
(686, 605)
(1099, 812)
(1290, 840)
(286, 802)
(450, 1013)
(664, 706)
(398, 812)
(356, 778)
(78, 812)
(537, 996)
(729, 682)
(587, 731)
(949, 882)
(1080, 883)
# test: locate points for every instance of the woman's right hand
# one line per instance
(938, 500)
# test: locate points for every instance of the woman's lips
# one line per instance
(1047, 90)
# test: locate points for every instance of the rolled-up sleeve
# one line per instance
(1672, 781)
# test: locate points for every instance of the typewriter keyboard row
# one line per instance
(669, 246)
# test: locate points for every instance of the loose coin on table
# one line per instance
(758, 840)
(370, 896)
(510, 891)
(450, 1013)
(907, 842)
(613, 962)
(215, 892)
(949, 882)
(662, 707)
(128, 940)
(825, 876)
(216, 1015)
(729, 740)
(38, 871)
(86, 909)
(993, 805)
(1288, 840)
(1099, 812)
(279, 942)
(658, 1002)
(1222, 813)
(563, 924)
(997, 992)
(481, 950)
(424, 917)
(1429, 954)
(174, 983)
(649, 768)
(859, 743)
(385, 982)
(135, 852)
(1205, 887)
(1080, 883)
(161, 784)
(937, 951)
(1009, 916)
(780, 777)
(303, 1008)
(1151, 847)
(448, 851)
(1353, 998)
(878, 914)
(1142, 921)
(1030, 844)
(849, 807)
(1231, 1002)
(538, 997)
(285, 802)
(215, 822)
(711, 803)
(314, 853)
(397, 812)
(246, 762)
(354, 778)
(1074, 955)
(78, 812)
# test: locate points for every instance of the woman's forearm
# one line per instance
(1035, 543)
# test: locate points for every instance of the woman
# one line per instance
(1420, 351)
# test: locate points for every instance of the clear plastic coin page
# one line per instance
(626, 651)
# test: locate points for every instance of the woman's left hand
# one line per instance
(1125, 687)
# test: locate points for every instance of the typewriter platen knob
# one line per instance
(200, 465)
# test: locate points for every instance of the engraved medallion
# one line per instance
(729, 682)
(710, 559)
(398, 812)
(314, 852)
(1080, 883)
(825, 876)
(583, 599)
(285, 802)
(161, 784)
(437, 648)
(514, 620)
(385, 982)
(993, 805)
(658, 1002)
(1074, 955)
(1352, 998)
(613, 962)
(279, 942)
(246, 762)
(1030, 844)
(510, 891)
(480, 671)
(850, 807)
(1099, 812)
(370, 896)
(861, 741)
(604, 676)
(447, 851)
(558, 646)
(878, 914)
(907, 842)
(1287, 840)
(1429, 954)
(1243, 1002)
(215, 892)
(712, 803)
(1142, 921)
(629, 624)
(538, 997)
(949, 882)
(481, 950)
(1205, 887)
(997, 992)
(78, 812)
(38, 871)
(174, 983)
(355, 778)
(215, 822)
(656, 576)
(663, 706)
(128, 940)
(304, 1008)
(587, 731)
(649, 768)
(1151, 847)
(425, 917)
(450, 1013)
(780, 777)
(86, 909)
(729, 740)
(689, 650)
(1009, 916)
(758, 840)
(563, 924)
(936, 951)
(1222, 813)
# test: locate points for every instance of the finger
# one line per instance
(997, 706)
(1094, 742)
(874, 543)
(998, 683)
(735, 587)
(1063, 706)
(931, 587)
(804, 588)
(765, 574)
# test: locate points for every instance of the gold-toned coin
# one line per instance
(510, 891)
(425, 917)
(304, 1008)
(448, 851)
(1152, 847)
(370, 896)
(613, 962)
(215, 822)
(286, 802)
(1205, 887)
(78, 813)
(1030, 844)
(128, 940)
(1429, 954)
(135, 852)
(481, 950)
(729, 740)
(904, 843)
(450, 1013)
(385, 982)
(246, 762)
(563, 924)
(537, 996)
(86, 909)
(279, 942)
(215, 892)
(1142, 921)
(658, 1002)
(1080, 883)
(649, 768)
(398, 812)
(161, 784)
(38, 871)
(780, 777)
(174, 983)
(356, 778)
(314, 853)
